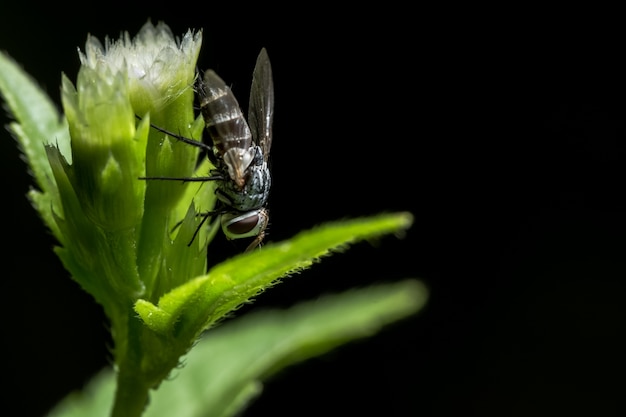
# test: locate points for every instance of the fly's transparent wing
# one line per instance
(261, 107)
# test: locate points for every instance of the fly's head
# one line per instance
(249, 224)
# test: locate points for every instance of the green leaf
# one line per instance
(182, 314)
(224, 372)
(38, 122)
(196, 305)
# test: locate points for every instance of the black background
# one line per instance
(502, 131)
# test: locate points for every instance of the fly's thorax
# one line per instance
(254, 193)
(237, 161)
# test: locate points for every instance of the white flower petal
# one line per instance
(158, 65)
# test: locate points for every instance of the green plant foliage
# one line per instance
(116, 236)
(224, 372)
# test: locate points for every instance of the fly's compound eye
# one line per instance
(241, 225)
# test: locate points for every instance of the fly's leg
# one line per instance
(181, 138)
(206, 148)
(205, 217)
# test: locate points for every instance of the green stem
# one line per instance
(131, 396)
(133, 389)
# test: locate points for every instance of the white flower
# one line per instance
(159, 66)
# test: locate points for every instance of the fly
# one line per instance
(240, 152)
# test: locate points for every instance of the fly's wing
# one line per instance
(261, 106)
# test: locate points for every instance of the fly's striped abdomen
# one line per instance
(227, 127)
(224, 119)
